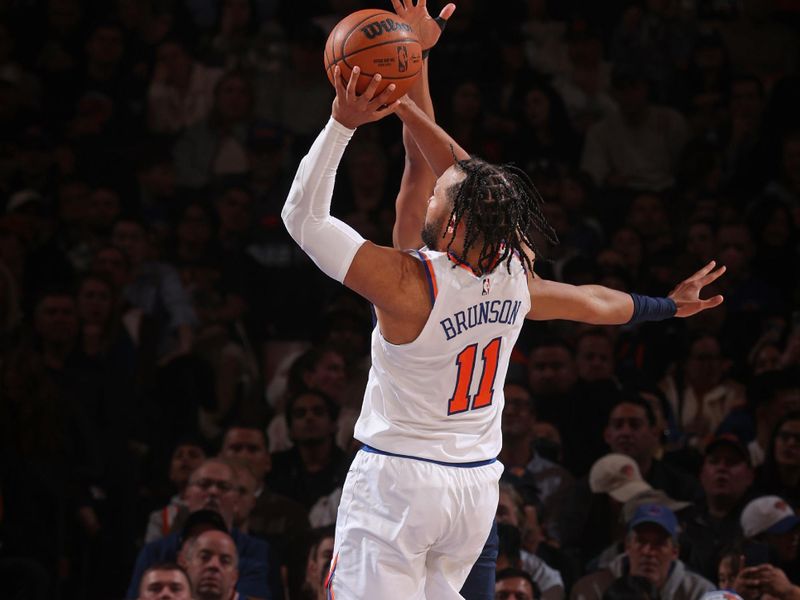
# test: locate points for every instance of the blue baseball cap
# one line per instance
(657, 514)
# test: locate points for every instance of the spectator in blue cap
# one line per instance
(651, 552)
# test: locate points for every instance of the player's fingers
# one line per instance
(713, 276)
(446, 13)
(337, 82)
(704, 271)
(386, 110)
(423, 4)
(351, 85)
(398, 6)
(383, 97)
(373, 85)
(712, 302)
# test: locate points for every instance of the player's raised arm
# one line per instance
(375, 272)
(600, 305)
(418, 178)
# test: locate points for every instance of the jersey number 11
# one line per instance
(460, 400)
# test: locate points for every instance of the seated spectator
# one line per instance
(165, 581)
(211, 497)
(274, 516)
(713, 524)
(651, 551)
(546, 579)
(320, 368)
(700, 390)
(314, 466)
(549, 482)
(780, 473)
(637, 148)
(181, 91)
(631, 588)
(772, 395)
(770, 521)
(212, 563)
(187, 456)
(515, 584)
(318, 564)
(215, 148)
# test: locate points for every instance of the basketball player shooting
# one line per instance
(420, 498)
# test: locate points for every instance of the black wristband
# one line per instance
(442, 23)
(647, 308)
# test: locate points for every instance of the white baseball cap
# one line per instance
(618, 476)
(768, 514)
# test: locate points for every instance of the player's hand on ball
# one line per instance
(352, 109)
(415, 13)
(686, 294)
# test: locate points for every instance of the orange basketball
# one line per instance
(377, 41)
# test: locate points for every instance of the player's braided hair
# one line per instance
(500, 207)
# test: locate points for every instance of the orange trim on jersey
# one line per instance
(329, 579)
(459, 262)
(431, 275)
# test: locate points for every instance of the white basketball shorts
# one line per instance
(410, 529)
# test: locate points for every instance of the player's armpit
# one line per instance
(390, 279)
(593, 304)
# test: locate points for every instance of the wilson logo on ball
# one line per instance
(378, 28)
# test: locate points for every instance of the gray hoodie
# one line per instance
(681, 584)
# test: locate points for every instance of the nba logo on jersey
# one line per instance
(487, 286)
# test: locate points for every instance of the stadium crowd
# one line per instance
(179, 383)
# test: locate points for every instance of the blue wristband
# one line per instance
(648, 308)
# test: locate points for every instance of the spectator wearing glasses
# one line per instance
(211, 498)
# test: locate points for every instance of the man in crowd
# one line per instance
(514, 584)
(211, 499)
(651, 552)
(726, 477)
(212, 563)
(166, 581)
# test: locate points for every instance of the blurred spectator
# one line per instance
(181, 91)
(318, 564)
(211, 497)
(772, 395)
(770, 522)
(321, 368)
(212, 563)
(713, 525)
(314, 466)
(548, 482)
(515, 584)
(544, 578)
(780, 473)
(187, 456)
(699, 390)
(651, 551)
(166, 581)
(155, 288)
(545, 134)
(657, 37)
(639, 147)
(631, 430)
(585, 82)
(213, 149)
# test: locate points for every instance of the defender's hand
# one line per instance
(686, 294)
(416, 15)
(352, 109)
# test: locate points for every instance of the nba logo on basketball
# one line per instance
(402, 59)
(487, 286)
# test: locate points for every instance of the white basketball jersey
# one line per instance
(440, 397)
